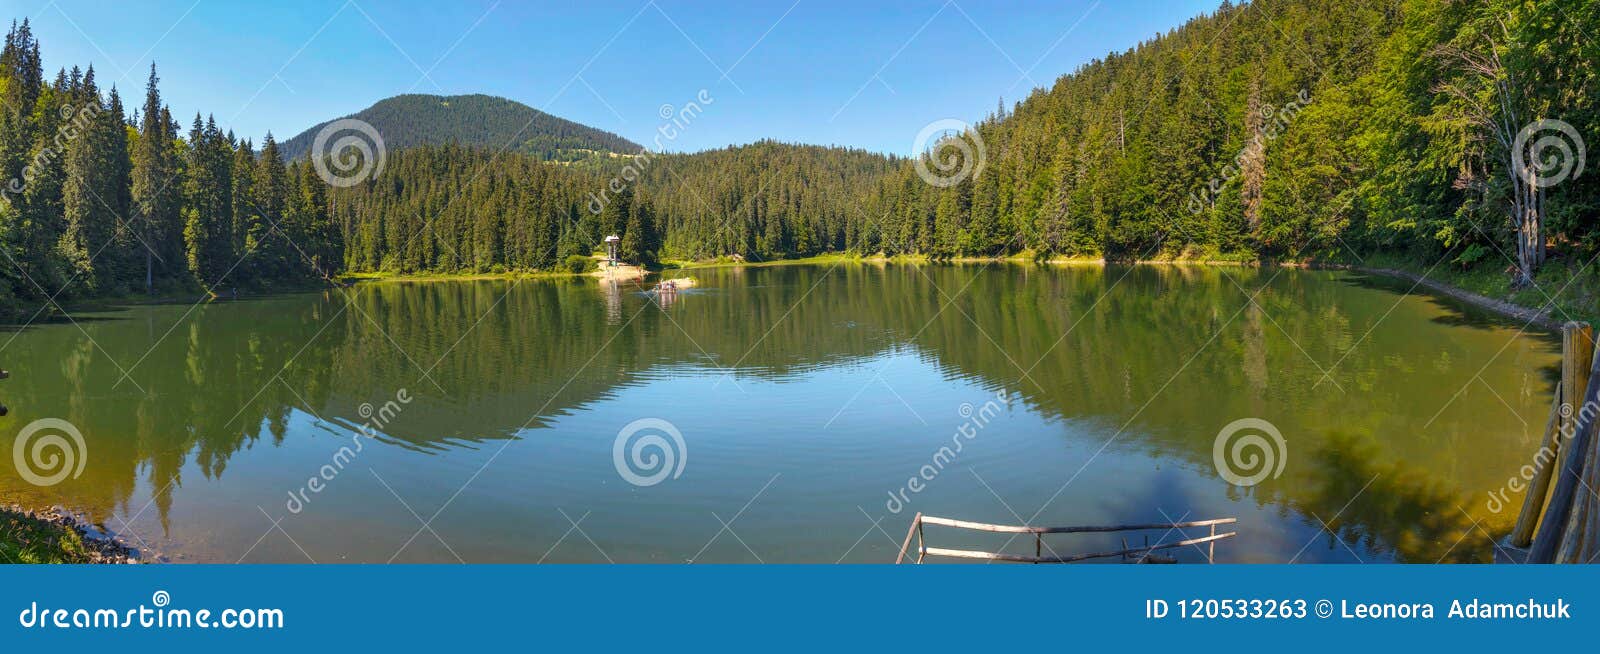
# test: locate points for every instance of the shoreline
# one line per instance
(1540, 317)
(1535, 316)
(56, 535)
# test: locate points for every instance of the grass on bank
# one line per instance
(27, 539)
(1566, 288)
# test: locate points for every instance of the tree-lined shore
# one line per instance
(1445, 135)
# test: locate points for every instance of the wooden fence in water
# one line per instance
(1560, 518)
(1135, 554)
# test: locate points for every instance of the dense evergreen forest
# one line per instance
(1276, 129)
(476, 120)
(96, 203)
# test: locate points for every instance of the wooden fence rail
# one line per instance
(923, 551)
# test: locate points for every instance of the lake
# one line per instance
(781, 414)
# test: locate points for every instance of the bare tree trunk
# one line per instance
(1253, 159)
(1500, 117)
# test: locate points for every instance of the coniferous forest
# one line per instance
(99, 202)
(1280, 129)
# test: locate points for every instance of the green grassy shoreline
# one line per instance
(1562, 291)
(54, 537)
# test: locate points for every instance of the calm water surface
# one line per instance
(807, 397)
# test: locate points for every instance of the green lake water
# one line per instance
(786, 412)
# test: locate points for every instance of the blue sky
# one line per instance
(859, 74)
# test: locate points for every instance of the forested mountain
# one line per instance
(474, 120)
(1430, 129)
(1280, 129)
(453, 208)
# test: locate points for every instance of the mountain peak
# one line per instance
(476, 120)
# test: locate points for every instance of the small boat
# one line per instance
(675, 285)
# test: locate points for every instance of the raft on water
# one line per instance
(675, 285)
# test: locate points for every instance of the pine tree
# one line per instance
(208, 205)
(245, 220)
(320, 250)
(155, 192)
(89, 220)
(641, 241)
(23, 83)
(270, 192)
(614, 217)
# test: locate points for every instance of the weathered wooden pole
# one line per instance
(922, 541)
(916, 522)
(1545, 461)
(1586, 413)
(1577, 340)
(1577, 521)
(1579, 535)
(1587, 548)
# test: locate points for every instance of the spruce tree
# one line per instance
(270, 192)
(154, 189)
(640, 241)
(88, 220)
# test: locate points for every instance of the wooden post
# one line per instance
(1539, 486)
(1211, 548)
(1038, 545)
(1579, 535)
(915, 523)
(922, 541)
(1577, 349)
(1589, 549)
(1558, 512)
(1579, 363)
